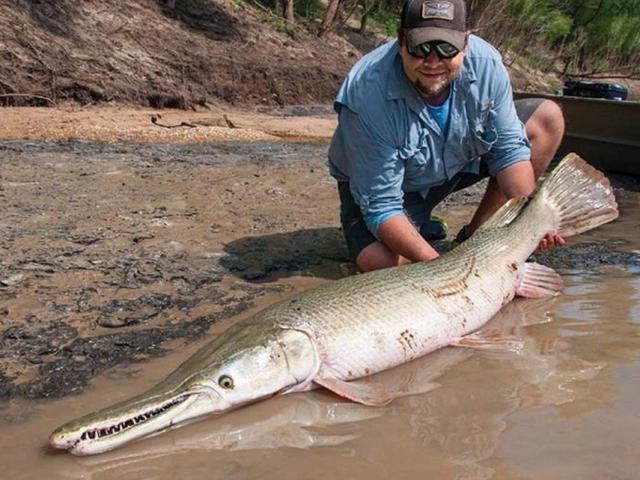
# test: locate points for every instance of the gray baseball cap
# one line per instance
(427, 20)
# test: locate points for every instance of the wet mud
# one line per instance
(115, 253)
(98, 273)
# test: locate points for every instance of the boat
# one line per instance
(606, 133)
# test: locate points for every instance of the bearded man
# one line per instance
(425, 115)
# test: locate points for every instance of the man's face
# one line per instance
(431, 75)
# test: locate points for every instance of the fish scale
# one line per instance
(404, 299)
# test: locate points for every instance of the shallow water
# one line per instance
(564, 406)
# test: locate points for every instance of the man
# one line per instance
(421, 117)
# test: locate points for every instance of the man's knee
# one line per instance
(545, 129)
(546, 121)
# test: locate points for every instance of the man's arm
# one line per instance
(375, 175)
(516, 180)
(401, 236)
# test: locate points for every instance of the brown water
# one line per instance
(564, 407)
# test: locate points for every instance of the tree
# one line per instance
(329, 17)
(572, 37)
(287, 11)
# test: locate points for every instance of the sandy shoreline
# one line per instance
(120, 124)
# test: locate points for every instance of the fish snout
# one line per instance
(61, 440)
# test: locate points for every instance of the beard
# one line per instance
(433, 89)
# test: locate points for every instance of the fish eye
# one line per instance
(225, 381)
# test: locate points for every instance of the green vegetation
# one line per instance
(385, 21)
(579, 36)
(567, 37)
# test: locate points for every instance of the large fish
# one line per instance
(357, 326)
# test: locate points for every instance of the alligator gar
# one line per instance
(342, 331)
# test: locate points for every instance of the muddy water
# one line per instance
(565, 406)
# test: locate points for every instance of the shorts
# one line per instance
(418, 209)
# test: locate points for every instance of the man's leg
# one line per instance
(545, 128)
(376, 256)
(367, 252)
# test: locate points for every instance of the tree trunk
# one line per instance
(365, 16)
(287, 11)
(329, 17)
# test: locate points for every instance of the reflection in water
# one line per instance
(634, 306)
(469, 432)
(295, 421)
(598, 431)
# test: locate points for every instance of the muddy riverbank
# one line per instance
(120, 249)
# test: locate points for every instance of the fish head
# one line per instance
(279, 361)
(229, 372)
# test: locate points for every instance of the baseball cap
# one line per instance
(427, 20)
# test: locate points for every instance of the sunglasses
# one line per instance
(443, 49)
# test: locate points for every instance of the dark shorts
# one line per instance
(354, 228)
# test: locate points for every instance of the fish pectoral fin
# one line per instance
(539, 281)
(489, 339)
(361, 391)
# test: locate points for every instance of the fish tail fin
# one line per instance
(580, 196)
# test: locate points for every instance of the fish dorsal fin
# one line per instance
(505, 214)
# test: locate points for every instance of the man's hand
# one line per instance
(549, 242)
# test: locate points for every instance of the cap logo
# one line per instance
(438, 10)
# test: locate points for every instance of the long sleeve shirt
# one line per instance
(386, 143)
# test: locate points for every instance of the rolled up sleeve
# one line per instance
(374, 169)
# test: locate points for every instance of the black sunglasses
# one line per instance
(443, 49)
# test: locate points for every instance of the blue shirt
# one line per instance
(441, 114)
(386, 143)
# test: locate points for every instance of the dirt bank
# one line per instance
(144, 53)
